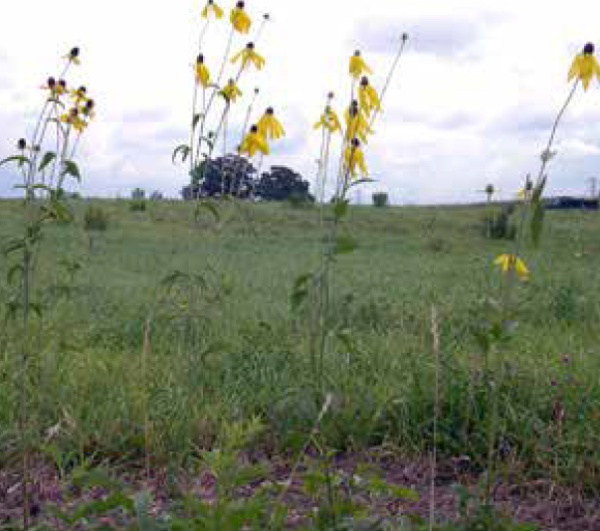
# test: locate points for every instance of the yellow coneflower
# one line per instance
(72, 118)
(73, 56)
(248, 54)
(508, 262)
(356, 123)
(231, 92)
(355, 158)
(88, 110)
(329, 120)
(269, 126)
(254, 142)
(202, 73)
(79, 96)
(240, 19)
(368, 97)
(358, 66)
(585, 66)
(213, 8)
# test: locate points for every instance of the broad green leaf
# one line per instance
(48, 157)
(344, 245)
(341, 208)
(184, 149)
(71, 168)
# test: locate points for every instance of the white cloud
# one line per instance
(473, 100)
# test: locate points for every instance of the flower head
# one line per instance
(358, 66)
(254, 142)
(368, 97)
(88, 110)
(356, 123)
(213, 8)
(269, 126)
(329, 120)
(248, 54)
(202, 73)
(79, 96)
(585, 66)
(511, 262)
(240, 19)
(73, 56)
(231, 92)
(74, 120)
(355, 158)
(22, 144)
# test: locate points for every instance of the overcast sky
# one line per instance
(472, 102)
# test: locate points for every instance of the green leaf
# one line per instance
(21, 159)
(538, 214)
(344, 245)
(196, 119)
(341, 208)
(537, 223)
(16, 269)
(211, 207)
(361, 181)
(184, 149)
(16, 244)
(71, 168)
(48, 157)
(300, 290)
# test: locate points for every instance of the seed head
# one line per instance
(74, 53)
(22, 144)
(254, 129)
(241, 5)
(250, 46)
(200, 59)
(355, 143)
(51, 82)
(364, 81)
(588, 49)
(270, 111)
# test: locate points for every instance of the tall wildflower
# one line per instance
(218, 91)
(45, 161)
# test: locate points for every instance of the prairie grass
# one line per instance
(225, 346)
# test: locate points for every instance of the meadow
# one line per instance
(156, 334)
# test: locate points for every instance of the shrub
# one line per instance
(138, 205)
(380, 199)
(95, 218)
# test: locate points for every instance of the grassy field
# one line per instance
(223, 345)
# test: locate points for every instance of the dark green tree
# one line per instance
(283, 184)
(228, 175)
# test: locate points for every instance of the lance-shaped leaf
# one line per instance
(184, 149)
(300, 290)
(48, 157)
(538, 213)
(21, 159)
(211, 207)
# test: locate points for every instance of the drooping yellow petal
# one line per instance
(240, 20)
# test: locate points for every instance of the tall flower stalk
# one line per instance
(44, 173)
